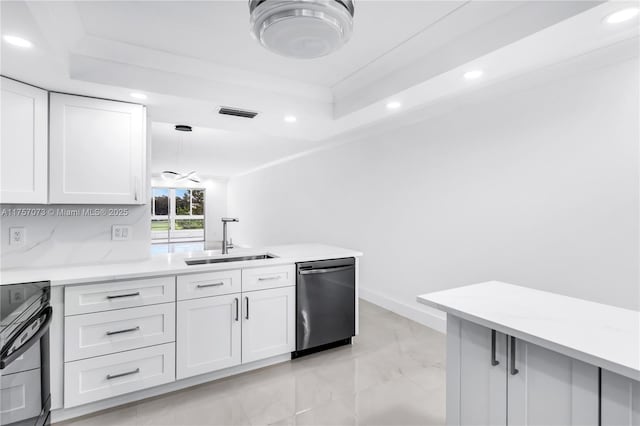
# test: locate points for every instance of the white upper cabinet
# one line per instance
(97, 151)
(23, 143)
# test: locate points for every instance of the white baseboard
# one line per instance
(424, 315)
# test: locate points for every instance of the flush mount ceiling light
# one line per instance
(290, 118)
(17, 41)
(137, 95)
(302, 29)
(393, 105)
(172, 176)
(622, 15)
(473, 75)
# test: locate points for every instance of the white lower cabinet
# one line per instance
(476, 386)
(107, 376)
(493, 379)
(548, 388)
(620, 400)
(268, 323)
(20, 396)
(208, 335)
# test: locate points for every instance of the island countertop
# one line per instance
(172, 264)
(598, 334)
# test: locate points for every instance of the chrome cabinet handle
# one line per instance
(128, 330)
(514, 370)
(494, 361)
(118, 296)
(247, 311)
(128, 373)
(269, 278)
(210, 285)
(237, 309)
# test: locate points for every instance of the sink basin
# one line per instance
(228, 259)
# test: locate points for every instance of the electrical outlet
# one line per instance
(17, 236)
(121, 232)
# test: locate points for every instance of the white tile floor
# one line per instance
(393, 374)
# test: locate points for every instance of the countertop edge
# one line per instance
(155, 267)
(588, 358)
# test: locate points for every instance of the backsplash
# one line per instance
(58, 235)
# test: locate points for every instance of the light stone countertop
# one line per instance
(172, 264)
(598, 334)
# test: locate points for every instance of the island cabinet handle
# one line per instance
(128, 373)
(118, 296)
(128, 330)
(277, 277)
(237, 309)
(494, 361)
(210, 285)
(247, 311)
(514, 370)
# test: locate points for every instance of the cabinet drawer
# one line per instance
(20, 396)
(268, 277)
(84, 299)
(107, 376)
(104, 333)
(217, 283)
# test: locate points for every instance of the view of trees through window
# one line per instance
(177, 214)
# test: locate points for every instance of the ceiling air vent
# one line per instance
(237, 112)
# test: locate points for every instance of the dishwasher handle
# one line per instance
(325, 270)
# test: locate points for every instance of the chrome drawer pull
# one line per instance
(210, 285)
(269, 278)
(128, 373)
(128, 330)
(118, 296)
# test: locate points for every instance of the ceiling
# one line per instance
(191, 57)
(218, 32)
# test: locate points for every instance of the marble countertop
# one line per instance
(170, 264)
(598, 334)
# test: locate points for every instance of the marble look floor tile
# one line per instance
(392, 374)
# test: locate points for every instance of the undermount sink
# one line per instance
(228, 259)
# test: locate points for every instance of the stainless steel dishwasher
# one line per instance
(325, 304)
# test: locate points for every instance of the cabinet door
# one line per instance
(620, 400)
(546, 388)
(476, 374)
(268, 323)
(23, 146)
(208, 334)
(97, 151)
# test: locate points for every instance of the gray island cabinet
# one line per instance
(517, 356)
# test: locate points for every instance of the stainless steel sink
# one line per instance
(228, 259)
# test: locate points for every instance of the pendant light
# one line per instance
(174, 176)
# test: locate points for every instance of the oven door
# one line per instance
(24, 354)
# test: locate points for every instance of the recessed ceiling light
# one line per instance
(472, 75)
(138, 95)
(393, 105)
(17, 41)
(622, 15)
(290, 118)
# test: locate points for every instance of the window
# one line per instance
(177, 214)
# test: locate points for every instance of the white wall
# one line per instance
(215, 204)
(538, 187)
(67, 236)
